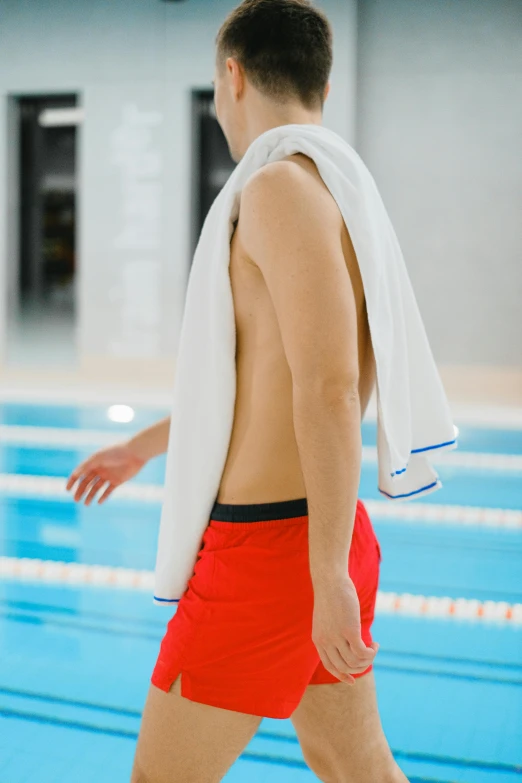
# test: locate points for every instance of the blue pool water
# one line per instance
(75, 661)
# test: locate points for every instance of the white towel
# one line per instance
(413, 413)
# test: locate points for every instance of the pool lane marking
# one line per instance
(17, 485)
(56, 572)
(54, 486)
(449, 514)
(46, 437)
(261, 757)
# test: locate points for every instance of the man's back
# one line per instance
(263, 463)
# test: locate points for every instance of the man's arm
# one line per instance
(291, 230)
(152, 441)
(110, 467)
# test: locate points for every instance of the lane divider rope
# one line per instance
(51, 571)
(18, 435)
(57, 437)
(383, 510)
(449, 514)
(472, 460)
(54, 487)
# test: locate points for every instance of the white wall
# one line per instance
(133, 64)
(440, 127)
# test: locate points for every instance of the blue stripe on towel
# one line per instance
(438, 446)
(409, 494)
(418, 451)
(167, 600)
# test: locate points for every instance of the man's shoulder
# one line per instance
(283, 205)
(273, 177)
(286, 185)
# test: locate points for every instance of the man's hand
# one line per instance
(336, 629)
(114, 465)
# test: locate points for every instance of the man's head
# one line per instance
(273, 63)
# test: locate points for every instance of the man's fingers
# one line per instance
(339, 662)
(84, 484)
(81, 470)
(357, 646)
(72, 478)
(90, 479)
(77, 473)
(96, 486)
(110, 489)
(332, 668)
(352, 661)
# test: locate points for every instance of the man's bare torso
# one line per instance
(263, 464)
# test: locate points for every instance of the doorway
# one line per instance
(42, 324)
(212, 162)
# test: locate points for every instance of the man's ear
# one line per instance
(327, 91)
(236, 77)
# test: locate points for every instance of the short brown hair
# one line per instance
(284, 46)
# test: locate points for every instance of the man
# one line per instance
(276, 618)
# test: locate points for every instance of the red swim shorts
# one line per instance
(241, 635)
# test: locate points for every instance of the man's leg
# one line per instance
(182, 740)
(341, 736)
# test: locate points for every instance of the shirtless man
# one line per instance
(305, 564)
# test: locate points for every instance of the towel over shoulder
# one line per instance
(413, 415)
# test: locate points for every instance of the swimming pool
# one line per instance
(77, 644)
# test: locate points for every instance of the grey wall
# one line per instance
(439, 123)
(438, 119)
(133, 64)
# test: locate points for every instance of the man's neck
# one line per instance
(262, 121)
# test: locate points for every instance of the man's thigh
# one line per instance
(340, 733)
(182, 740)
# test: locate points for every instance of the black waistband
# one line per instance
(259, 512)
